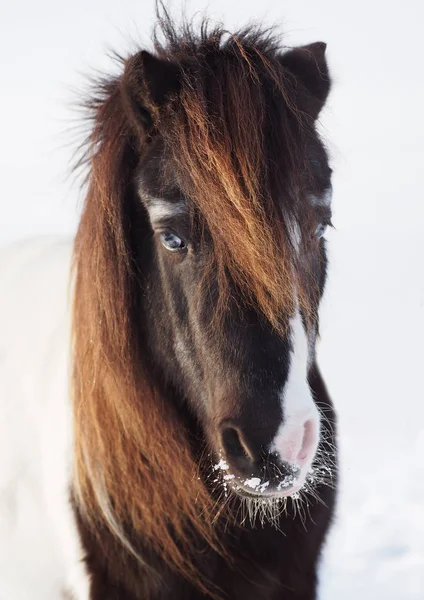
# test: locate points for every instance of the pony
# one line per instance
(175, 437)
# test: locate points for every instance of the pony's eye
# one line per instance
(320, 230)
(172, 242)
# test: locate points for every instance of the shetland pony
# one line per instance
(190, 453)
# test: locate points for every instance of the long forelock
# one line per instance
(238, 144)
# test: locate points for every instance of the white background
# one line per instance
(373, 314)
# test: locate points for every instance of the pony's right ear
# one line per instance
(147, 83)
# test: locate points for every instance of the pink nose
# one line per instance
(297, 442)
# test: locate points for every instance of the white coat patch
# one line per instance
(40, 550)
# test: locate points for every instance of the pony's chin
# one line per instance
(266, 492)
(274, 495)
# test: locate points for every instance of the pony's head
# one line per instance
(200, 265)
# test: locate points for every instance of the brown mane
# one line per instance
(123, 471)
(237, 138)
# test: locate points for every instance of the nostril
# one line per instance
(233, 444)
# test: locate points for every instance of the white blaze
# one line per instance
(300, 426)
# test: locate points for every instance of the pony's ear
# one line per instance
(147, 83)
(309, 67)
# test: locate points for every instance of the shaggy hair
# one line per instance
(236, 138)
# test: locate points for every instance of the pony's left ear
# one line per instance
(146, 85)
(309, 67)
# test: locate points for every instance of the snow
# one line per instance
(253, 482)
(372, 324)
(222, 465)
(371, 355)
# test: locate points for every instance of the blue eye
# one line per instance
(320, 230)
(172, 242)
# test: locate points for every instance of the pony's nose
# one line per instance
(291, 450)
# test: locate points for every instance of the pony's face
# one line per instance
(245, 382)
(243, 375)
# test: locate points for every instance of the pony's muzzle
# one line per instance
(277, 469)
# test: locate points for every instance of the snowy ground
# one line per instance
(372, 357)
